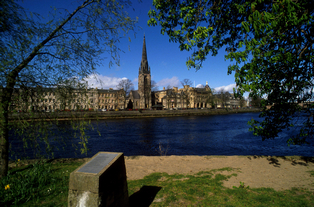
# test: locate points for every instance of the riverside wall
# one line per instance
(129, 114)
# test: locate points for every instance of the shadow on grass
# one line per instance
(144, 197)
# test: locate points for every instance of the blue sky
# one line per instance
(166, 61)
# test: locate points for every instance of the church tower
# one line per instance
(144, 80)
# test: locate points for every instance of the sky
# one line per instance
(166, 61)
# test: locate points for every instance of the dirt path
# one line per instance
(277, 173)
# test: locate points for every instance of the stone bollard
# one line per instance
(99, 182)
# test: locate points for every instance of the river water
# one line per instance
(190, 135)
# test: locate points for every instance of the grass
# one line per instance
(311, 173)
(206, 189)
(46, 184)
(38, 184)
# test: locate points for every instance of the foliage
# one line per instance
(270, 44)
(201, 189)
(56, 53)
(257, 102)
(241, 185)
(41, 183)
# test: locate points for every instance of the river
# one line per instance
(190, 135)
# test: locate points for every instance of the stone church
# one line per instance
(142, 98)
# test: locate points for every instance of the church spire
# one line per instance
(144, 53)
(144, 63)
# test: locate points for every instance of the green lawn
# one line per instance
(46, 184)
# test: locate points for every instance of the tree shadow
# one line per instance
(295, 160)
(273, 161)
(299, 160)
(144, 197)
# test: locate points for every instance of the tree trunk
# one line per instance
(4, 139)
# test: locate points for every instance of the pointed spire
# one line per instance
(144, 53)
(144, 63)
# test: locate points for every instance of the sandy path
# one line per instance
(255, 172)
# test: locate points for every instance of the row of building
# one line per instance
(48, 99)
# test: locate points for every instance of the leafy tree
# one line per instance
(39, 54)
(270, 42)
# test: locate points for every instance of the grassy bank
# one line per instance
(46, 184)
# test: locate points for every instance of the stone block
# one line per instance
(99, 182)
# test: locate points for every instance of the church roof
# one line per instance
(135, 94)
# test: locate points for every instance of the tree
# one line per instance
(39, 54)
(271, 43)
(256, 102)
(186, 82)
(169, 87)
(154, 86)
(127, 85)
(223, 97)
(242, 102)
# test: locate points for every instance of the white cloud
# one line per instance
(135, 81)
(228, 88)
(101, 81)
(174, 81)
(200, 86)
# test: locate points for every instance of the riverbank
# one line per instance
(128, 114)
(176, 181)
(279, 173)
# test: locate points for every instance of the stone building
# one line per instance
(186, 97)
(49, 99)
(110, 99)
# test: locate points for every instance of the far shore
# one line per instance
(70, 115)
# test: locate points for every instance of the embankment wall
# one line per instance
(128, 114)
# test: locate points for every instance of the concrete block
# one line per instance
(99, 182)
